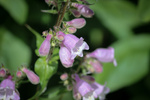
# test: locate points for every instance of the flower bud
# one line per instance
(60, 35)
(84, 10)
(96, 65)
(64, 76)
(76, 13)
(45, 46)
(77, 23)
(19, 74)
(2, 72)
(33, 78)
(71, 30)
(65, 57)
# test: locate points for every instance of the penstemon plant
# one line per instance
(60, 43)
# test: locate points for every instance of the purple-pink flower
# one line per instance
(65, 57)
(100, 90)
(7, 90)
(83, 88)
(45, 46)
(33, 78)
(84, 10)
(77, 23)
(75, 45)
(103, 55)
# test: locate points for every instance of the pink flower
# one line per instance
(99, 90)
(65, 57)
(33, 78)
(75, 45)
(7, 90)
(77, 23)
(83, 88)
(84, 10)
(104, 55)
(45, 46)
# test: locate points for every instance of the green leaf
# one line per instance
(39, 39)
(132, 59)
(50, 11)
(18, 9)
(13, 51)
(45, 71)
(144, 10)
(118, 16)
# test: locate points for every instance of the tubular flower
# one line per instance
(77, 23)
(84, 88)
(75, 45)
(84, 10)
(7, 90)
(33, 78)
(100, 90)
(65, 57)
(104, 55)
(45, 46)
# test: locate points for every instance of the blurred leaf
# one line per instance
(18, 9)
(96, 37)
(39, 39)
(132, 58)
(54, 92)
(118, 16)
(13, 51)
(144, 10)
(50, 11)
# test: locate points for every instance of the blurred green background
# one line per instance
(122, 24)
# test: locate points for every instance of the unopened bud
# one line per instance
(77, 23)
(69, 87)
(2, 72)
(66, 82)
(33, 78)
(64, 76)
(60, 35)
(19, 74)
(71, 30)
(45, 46)
(76, 13)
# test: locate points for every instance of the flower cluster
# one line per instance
(83, 86)
(8, 87)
